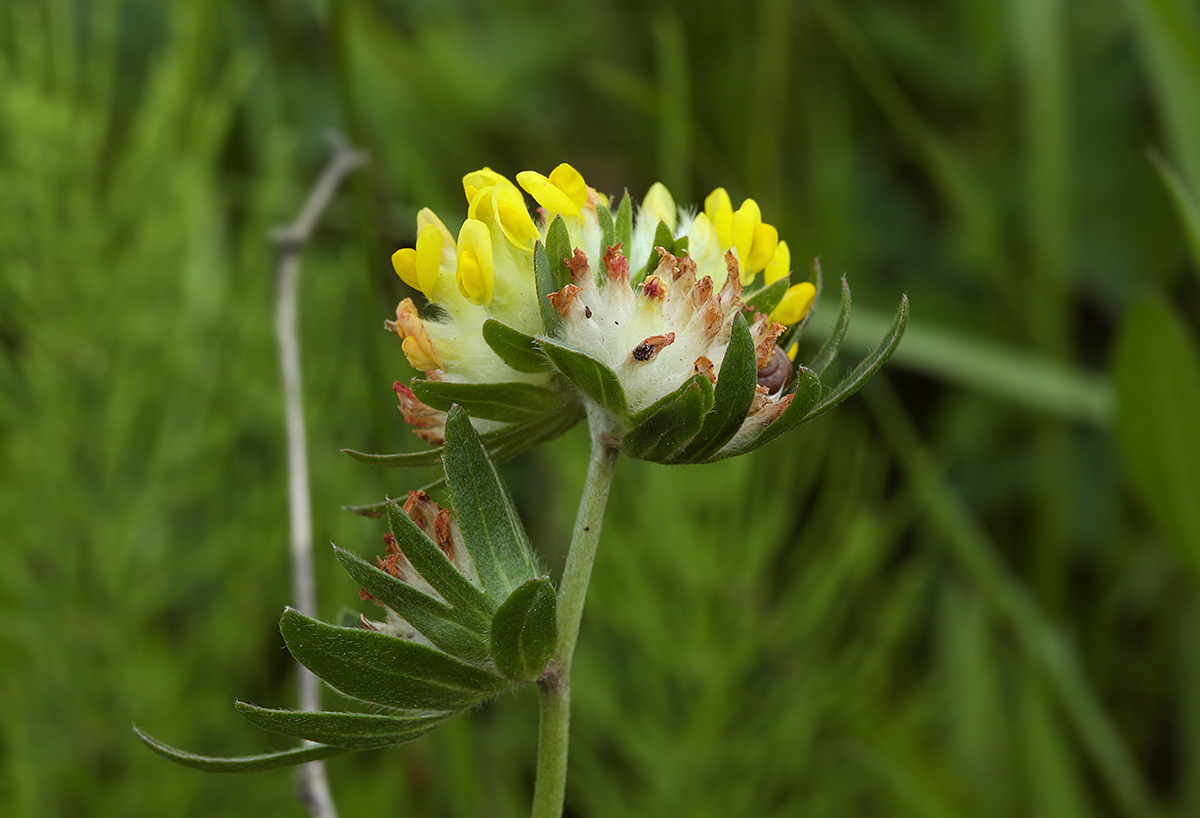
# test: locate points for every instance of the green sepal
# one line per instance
(544, 278)
(591, 377)
(516, 349)
(352, 731)
(382, 669)
(525, 630)
(404, 460)
(514, 402)
(662, 238)
(240, 764)
(732, 396)
(663, 429)
(624, 222)
(768, 298)
(489, 523)
(454, 631)
(436, 568)
(833, 343)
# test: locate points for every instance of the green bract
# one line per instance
(482, 621)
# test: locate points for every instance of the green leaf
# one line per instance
(507, 443)
(239, 764)
(382, 669)
(516, 349)
(833, 343)
(453, 630)
(768, 298)
(624, 223)
(736, 384)
(436, 568)
(493, 533)
(505, 402)
(1158, 423)
(660, 431)
(353, 731)
(558, 249)
(608, 231)
(867, 367)
(404, 460)
(525, 630)
(591, 377)
(544, 278)
(662, 238)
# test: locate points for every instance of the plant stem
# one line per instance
(555, 689)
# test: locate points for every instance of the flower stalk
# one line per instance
(554, 688)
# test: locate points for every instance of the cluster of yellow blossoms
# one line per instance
(626, 289)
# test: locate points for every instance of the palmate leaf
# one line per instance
(525, 630)
(450, 629)
(352, 731)
(489, 523)
(241, 764)
(381, 669)
(437, 569)
(833, 343)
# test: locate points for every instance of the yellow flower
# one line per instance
(541, 316)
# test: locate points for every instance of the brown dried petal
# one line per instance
(563, 299)
(616, 264)
(653, 287)
(705, 367)
(443, 535)
(578, 265)
(646, 350)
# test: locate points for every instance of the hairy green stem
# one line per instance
(555, 689)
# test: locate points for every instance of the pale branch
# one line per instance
(313, 785)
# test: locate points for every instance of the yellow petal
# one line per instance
(745, 222)
(796, 303)
(504, 206)
(720, 213)
(781, 264)
(546, 194)
(570, 182)
(762, 248)
(660, 206)
(425, 216)
(476, 272)
(429, 259)
(476, 180)
(791, 353)
(404, 261)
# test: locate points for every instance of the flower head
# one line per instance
(673, 322)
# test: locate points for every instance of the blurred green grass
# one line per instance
(947, 599)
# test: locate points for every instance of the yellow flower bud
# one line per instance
(404, 261)
(504, 205)
(796, 303)
(476, 273)
(720, 212)
(745, 221)
(659, 206)
(781, 264)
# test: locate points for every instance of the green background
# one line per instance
(971, 591)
